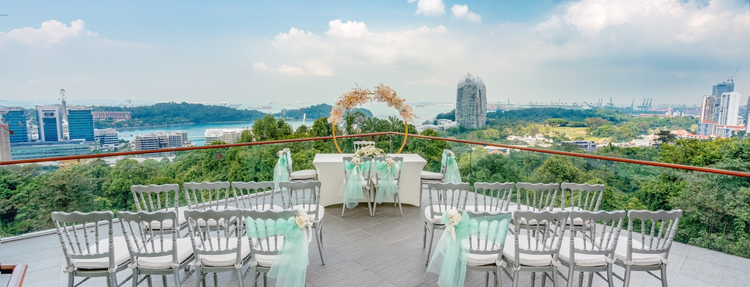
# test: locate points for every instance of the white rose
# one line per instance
(390, 161)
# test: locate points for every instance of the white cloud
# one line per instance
(260, 66)
(429, 7)
(461, 12)
(350, 29)
(296, 39)
(51, 32)
(317, 68)
(290, 70)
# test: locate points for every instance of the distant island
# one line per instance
(314, 112)
(176, 113)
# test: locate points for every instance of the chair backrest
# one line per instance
(215, 232)
(447, 196)
(266, 244)
(396, 176)
(152, 197)
(493, 196)
(538, 232)
(599, 232)
(145, 241)
(80, 235)
(365, 168)
(536, 196)
(661, 226)
(582, 196)
(288, 154)
(255, 195)
(488, 231)
(446, 152)
(361, 144)
(207, 195)
(305, 195)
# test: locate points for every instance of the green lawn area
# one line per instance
(573, 133)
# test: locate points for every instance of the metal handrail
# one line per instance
(598, 157)
(17, 273)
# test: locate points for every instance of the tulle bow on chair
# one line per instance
(386, 172)
(451, 169)
(289, 268)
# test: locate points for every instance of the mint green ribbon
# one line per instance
(387, 187)
(290, 265)
(452, 251)
(451, 169)
(280, 171)
(352, 192)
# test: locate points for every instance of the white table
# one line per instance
(330, 169)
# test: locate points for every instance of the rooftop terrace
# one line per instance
(384, 250)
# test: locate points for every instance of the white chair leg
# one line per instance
(515, 278)
(663, 275)
(627, 276)
(176, 274)
(253, 276)
(429, 247)
(554, 277)
(239, 278)
(591, 278)
(320, 243)
(610, 279)
(135, 278)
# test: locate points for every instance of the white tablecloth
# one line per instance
(330, 169)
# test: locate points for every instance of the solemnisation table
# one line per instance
(330, 169)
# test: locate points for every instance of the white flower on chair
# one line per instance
(356, 160)
(302, 220)
(280, 153)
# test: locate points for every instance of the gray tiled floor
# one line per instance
(385, 250)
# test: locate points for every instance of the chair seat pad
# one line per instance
(184, 251)
(435, 219)
(431, 175)
(303, 174)
(639, 259)
(224, 260)
(526, 259)
(481, 259)
(266, 260)
(156, 225)
(311, 213)
(586, 260)
(532, 222)
(122, 255)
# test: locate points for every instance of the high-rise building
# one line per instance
(727, 109)
(50, 123)
(225, 135)
(471, 102)
(16, 120)
(721, 88)
(707, 108)
(80, 124)
(4, 143)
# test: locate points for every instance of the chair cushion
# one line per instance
(303, 174)
(156, 225)
(435, 219)
(587, 260)
(266, 260)
(639, 259)
(431, 175)
(481, 259)
(526, 259)
(311, 213)
(224, 260)
(184, 251)
(122, 255)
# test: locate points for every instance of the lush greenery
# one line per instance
(314, 112)
(601, 123)
(176, 113)
(716, 207)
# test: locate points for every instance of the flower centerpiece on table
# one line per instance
(369, 151)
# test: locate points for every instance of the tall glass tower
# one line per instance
(471, 102)
(16, 121)
(81, 124)
(50, 123)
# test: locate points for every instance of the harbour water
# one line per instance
(195, 131)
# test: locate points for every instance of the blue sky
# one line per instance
(313, 51)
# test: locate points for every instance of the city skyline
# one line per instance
(240, 52)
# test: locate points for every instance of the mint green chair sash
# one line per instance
(281, 171)
(452, 252)
(290, 265)
(352, 192)
(387, 187)
(451, 169)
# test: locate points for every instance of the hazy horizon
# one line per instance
(296, 51)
